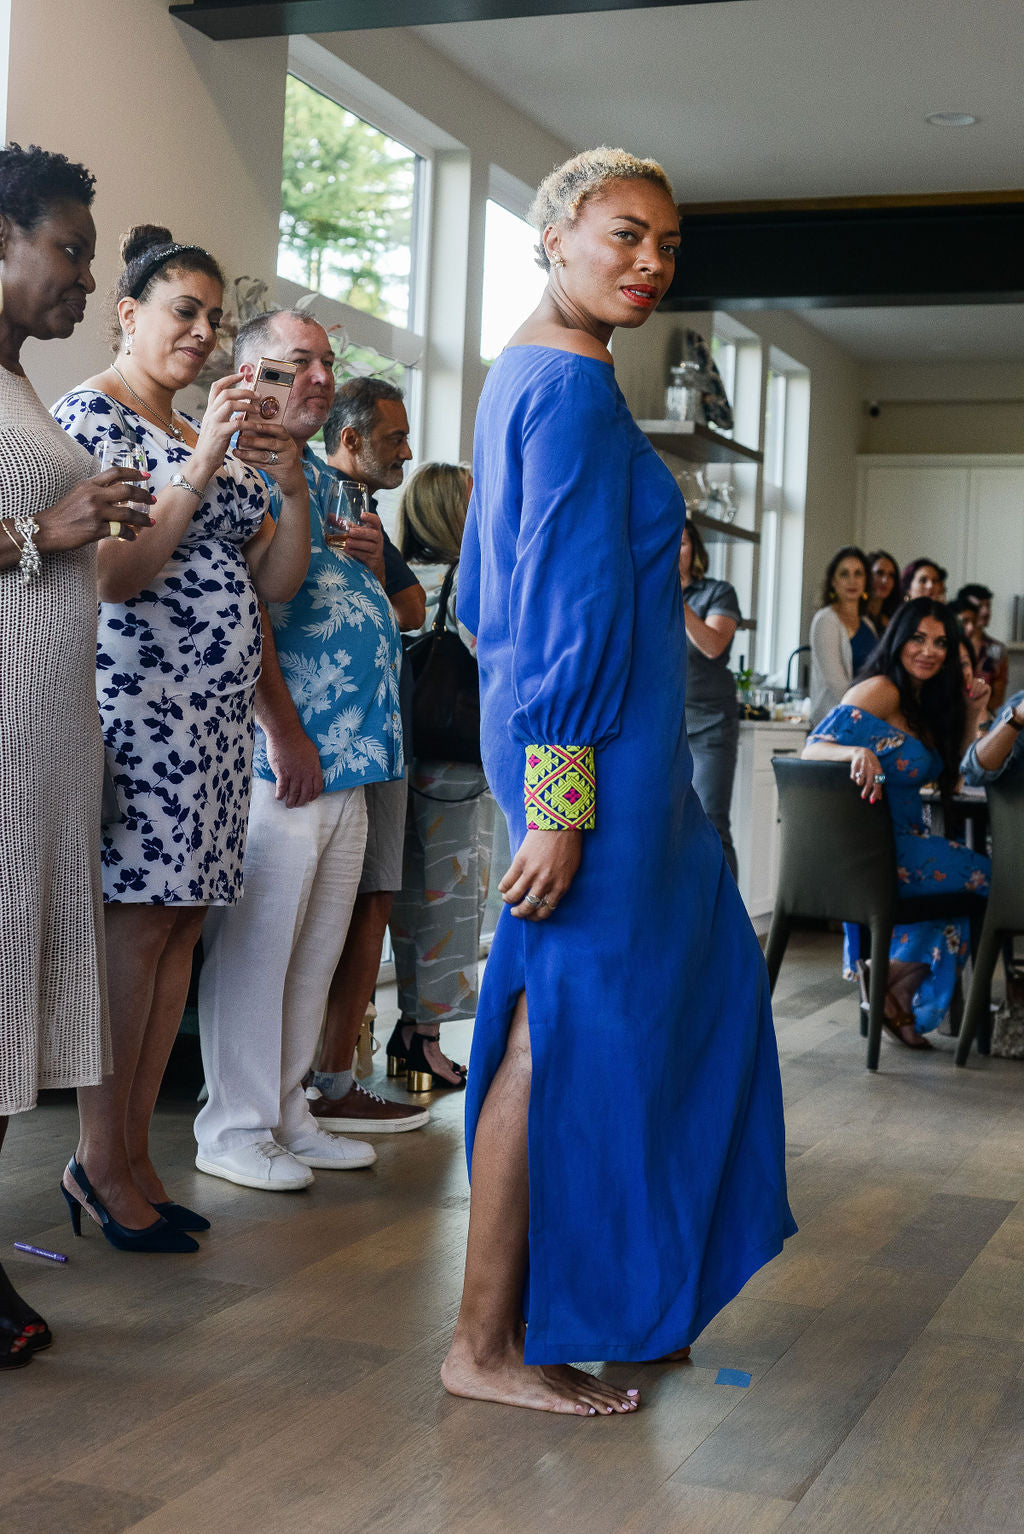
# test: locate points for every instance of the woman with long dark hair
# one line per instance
(883, 588)
(841, 636)
(907, 722)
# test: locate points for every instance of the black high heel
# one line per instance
(160, 1237)
(421, 1077)
(27, 1322)
(398, 1049)
(181, 1218)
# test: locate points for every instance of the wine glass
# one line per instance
(347, 504)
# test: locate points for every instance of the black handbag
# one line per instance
(446, 691)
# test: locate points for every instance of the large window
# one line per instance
(348, 207)
(787, 404)
(513, 282)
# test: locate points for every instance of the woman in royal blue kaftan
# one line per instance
(656, 1155)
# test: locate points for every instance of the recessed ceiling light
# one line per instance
(951, 119)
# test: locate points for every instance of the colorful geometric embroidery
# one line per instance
(560, 788)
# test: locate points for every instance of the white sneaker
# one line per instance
(331, 1153)
(266, 1165)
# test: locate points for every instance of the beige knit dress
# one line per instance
(53, 1023)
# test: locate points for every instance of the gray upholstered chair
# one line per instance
(838, 862)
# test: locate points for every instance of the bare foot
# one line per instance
(125, 1204)
(544, 1387)
(146, 1179)
(679, 1356)
(439, 1062)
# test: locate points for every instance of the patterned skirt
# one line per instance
(436, 917)
(182, 769)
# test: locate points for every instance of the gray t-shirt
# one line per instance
(710, 685)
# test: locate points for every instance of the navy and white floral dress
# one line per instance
(176, 678)
(927, 864)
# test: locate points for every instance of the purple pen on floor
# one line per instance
(38, 1251)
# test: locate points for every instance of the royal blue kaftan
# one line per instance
(657, 1180)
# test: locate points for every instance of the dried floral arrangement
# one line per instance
(252, 299)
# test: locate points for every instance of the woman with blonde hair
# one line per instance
(624, 1108)
(437, 915)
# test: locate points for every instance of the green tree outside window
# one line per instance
(347, 198)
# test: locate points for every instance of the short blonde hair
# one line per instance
(432, 513)
(561, 195)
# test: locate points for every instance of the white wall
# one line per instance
(949, 407)
(177, 129)
(187, 132)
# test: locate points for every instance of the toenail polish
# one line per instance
(632, 1392)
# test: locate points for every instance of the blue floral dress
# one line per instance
(176, 678)
(927, 864)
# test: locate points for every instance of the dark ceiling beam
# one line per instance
(846, 257)
(229, 20)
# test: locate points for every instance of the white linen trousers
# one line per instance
(269, 962)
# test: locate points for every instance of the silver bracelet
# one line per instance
(29, 565)
(180, 482)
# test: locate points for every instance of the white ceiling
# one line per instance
(788, 98)
(933, 333)
(772, 98)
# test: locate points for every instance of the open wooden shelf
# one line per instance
(716, 531)
(696, 443)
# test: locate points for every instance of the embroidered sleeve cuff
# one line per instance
(560, 788)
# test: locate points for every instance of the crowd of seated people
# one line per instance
(915, 706)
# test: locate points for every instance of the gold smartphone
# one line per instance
(271, 388)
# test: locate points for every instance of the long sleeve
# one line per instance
(572, 592)
(831, 662)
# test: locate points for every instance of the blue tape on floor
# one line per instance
(732, 1377)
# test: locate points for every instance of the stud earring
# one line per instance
(557, 260)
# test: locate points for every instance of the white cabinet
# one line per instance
(965, 511)
(755, 810)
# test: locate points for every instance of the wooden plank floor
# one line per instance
(286, 1378)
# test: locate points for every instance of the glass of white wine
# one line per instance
(347, 504)
(122, 455)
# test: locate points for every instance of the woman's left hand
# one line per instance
(267, 446)
(541, 873)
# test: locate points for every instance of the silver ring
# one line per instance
(879, 777)
(272, 456)
(534, 900)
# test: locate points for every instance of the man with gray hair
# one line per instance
(367, 438)
(327, 708)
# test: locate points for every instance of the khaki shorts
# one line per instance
(385, 836)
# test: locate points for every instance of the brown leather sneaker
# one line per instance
(365, 1112)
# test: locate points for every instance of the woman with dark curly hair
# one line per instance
(923, 578)
(907, 722)
(53, 1025)
(178, 657)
